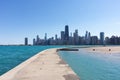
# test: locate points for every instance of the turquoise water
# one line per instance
(11, 56)
(93, 66)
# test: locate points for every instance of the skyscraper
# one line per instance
(87, 37)
(26, 41)
(45, 36)
(56, 37)
(62, 37)
(34, 42)
(94, 40)
(76, 37)
(101, 38)
(37, 40)
(66, 34)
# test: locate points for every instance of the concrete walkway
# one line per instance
(46, 65)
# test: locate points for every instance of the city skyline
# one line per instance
(69, 38)
(74, 38)
(28, 18)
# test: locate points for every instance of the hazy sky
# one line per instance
(27, 18)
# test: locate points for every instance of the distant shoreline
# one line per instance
(104, 49)
(52, 45)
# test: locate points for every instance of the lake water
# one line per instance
(93, 66)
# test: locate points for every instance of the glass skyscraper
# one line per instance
(67, 33)
(26, 41)
(101, 38)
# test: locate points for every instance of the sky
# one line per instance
(28, 18)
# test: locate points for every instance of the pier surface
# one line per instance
(46, 65)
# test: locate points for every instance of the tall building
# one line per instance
(62, 35)
(76, 37)
(66, 32)
(71, 40)
(26, 41)
(45, 36)
(94, 40)
(37, 40)
(107, 40)
(56, 37)
(34, 42)
(86, 34)
(87, 37)
(101, 38)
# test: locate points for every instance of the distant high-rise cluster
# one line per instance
(67, 38)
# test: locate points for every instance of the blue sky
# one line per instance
(27, 18)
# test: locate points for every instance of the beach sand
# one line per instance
(104, 49)
(46, 65)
